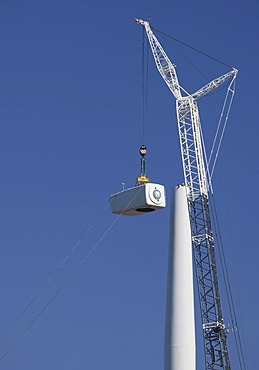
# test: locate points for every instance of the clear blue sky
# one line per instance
(70, 114)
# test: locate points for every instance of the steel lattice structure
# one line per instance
(214, 330)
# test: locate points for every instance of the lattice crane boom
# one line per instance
(165, 67)
(214, 84)
(214, 330)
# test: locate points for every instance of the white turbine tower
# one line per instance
(179, 346)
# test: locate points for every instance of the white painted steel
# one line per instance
(195, 178)
(179, 346)
(138, 200)
(187, 115)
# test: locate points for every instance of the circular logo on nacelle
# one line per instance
(155, 195)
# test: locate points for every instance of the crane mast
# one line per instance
(189, 128)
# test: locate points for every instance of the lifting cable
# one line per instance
(144, 89)
(144, 99)
(66, 281)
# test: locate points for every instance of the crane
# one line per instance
(195, 178)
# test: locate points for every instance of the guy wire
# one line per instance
(53, 275)
(193, 48)
(69, 278)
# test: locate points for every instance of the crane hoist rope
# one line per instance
(151, 196)
(144, 89)
(142, 178)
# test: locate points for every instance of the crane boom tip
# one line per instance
(139, 21)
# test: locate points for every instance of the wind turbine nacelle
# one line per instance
(138, 200)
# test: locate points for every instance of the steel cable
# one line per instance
(144, 90)
(191, 47)
(69, 278)
(53, 275)
(74, 272)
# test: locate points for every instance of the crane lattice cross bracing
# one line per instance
(214, 330)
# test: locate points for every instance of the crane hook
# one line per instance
(142, 178)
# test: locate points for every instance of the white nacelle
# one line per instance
(138, 200)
